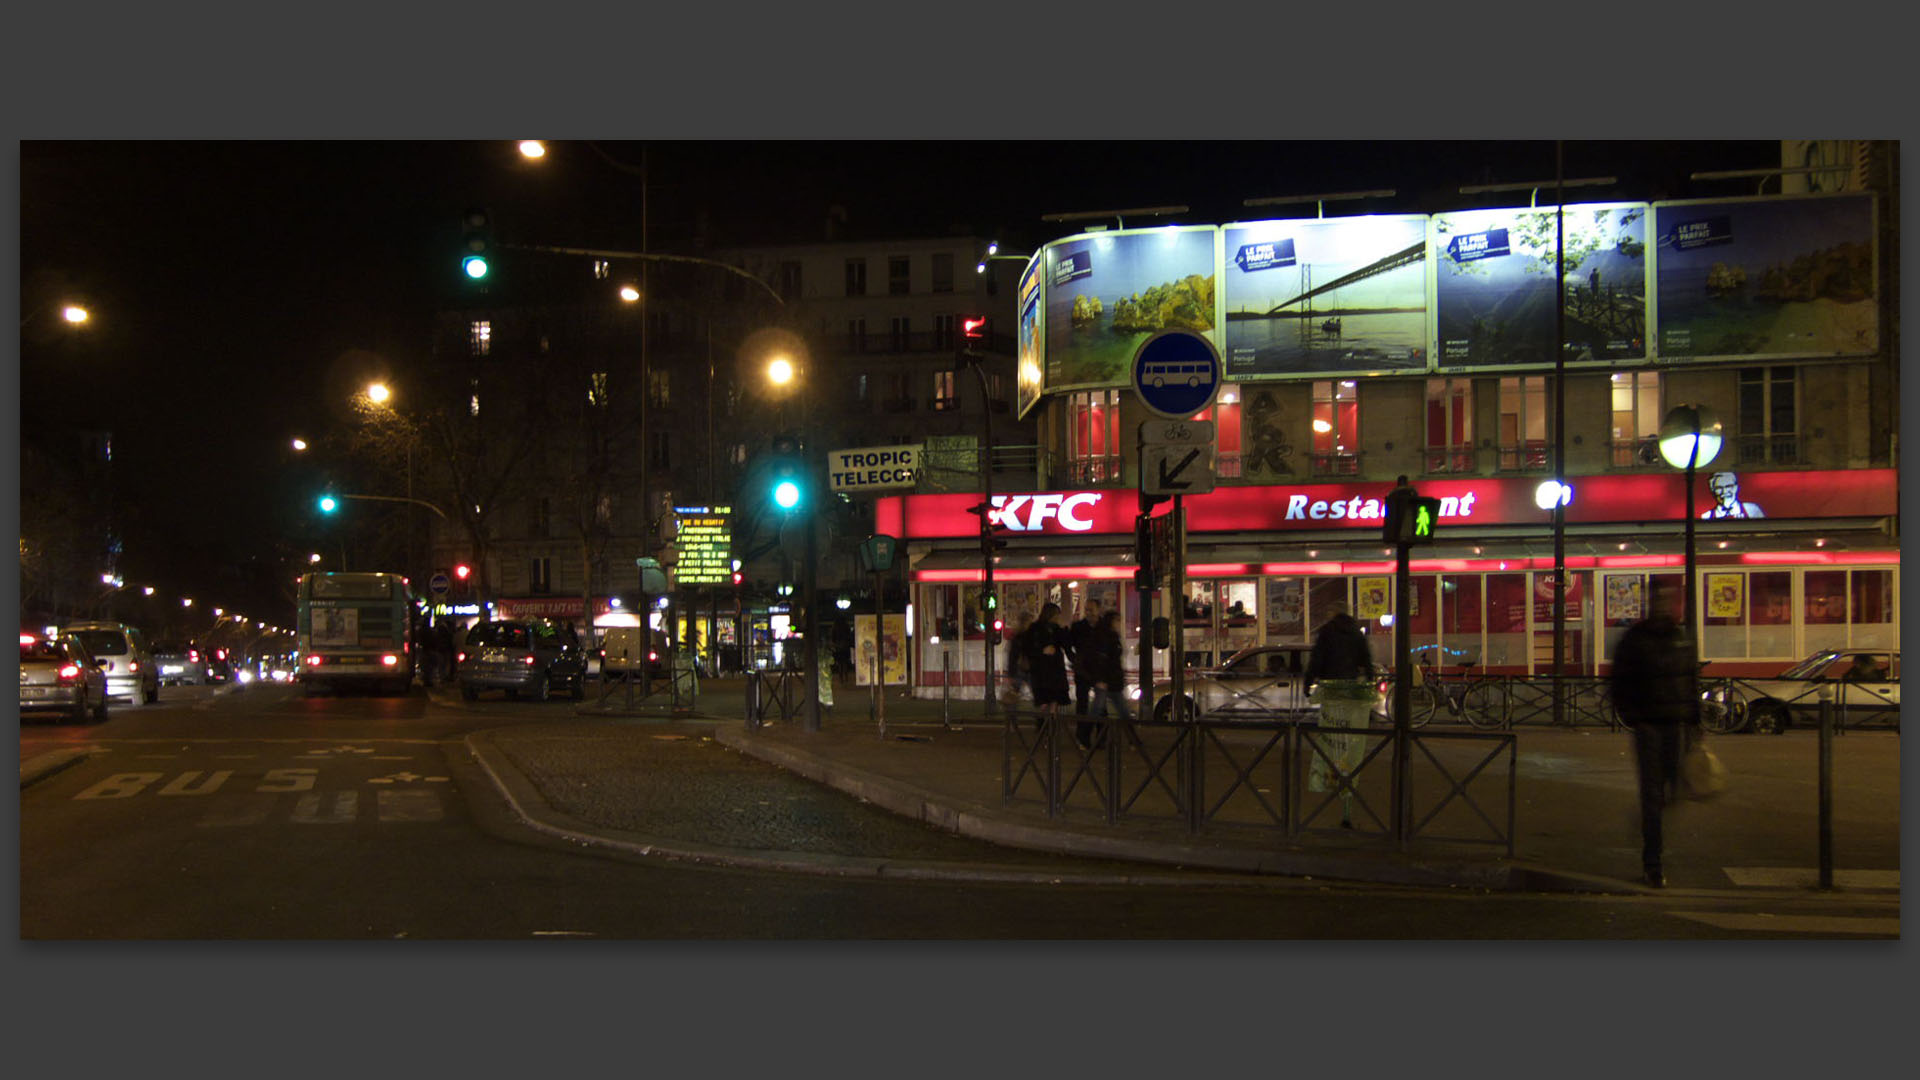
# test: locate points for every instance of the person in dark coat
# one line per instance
(1077, 636)
(1655, 686)
(1047, 663)
(1342, 665)
(1017, 672)
(1105, 663)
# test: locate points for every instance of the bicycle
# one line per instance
(1722, 712)
(1480, 700)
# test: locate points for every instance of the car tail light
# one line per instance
(70, 673)
(389, 660)
(133, 666)
(528, 660)
(193, 655)
(313, 661)
(459, 658)
(28, 639)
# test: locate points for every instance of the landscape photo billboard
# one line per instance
(1314, 296)
(1494, 290)
(1766, 277)
(1107, 292)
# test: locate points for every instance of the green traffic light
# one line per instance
(328, 505)
(786, 494)
(475, 266)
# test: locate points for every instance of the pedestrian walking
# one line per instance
(1077, 637)
(1340, 668)
(1047, 664)
(1018, 671)
(1655, 686)
(1105, 661)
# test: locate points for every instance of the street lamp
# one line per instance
(1690, 437)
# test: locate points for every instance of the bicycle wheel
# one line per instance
(1428, 700)
(1485, 705)
(1722, 714)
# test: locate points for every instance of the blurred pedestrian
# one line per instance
(1340, 669)
(1017, 670)
(1047, 664)
(1105, 661)
(1655, 686)
(1077, 637)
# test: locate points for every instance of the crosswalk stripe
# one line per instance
(1794, 924)
(1783, 877)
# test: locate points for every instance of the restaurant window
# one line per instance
(1450, 425)
(1523, 423)
(1225, 415)
(1848, 609)
(1746, 615)
(1336, 428)
(1769, 429)
(480, 337)
(1286, 611)
(856, 277)
(1636, 419)
(899, 275)
(943, 272)
(1093, 435)
(856, 335)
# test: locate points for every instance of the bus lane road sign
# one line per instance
(1176, 373)
(1176, 457)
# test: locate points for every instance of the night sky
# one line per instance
(233, 283)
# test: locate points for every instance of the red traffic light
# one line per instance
(738, 577)
(463, 571)
(974, 327)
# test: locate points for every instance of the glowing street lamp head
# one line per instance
(629, 293)
(299, 444)
(533, 149)
(1686, 425)
(378, 393)
(780, 371)
(313, 558)
(74, 313)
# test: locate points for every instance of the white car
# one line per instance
(1266, 682)
(1864, 685)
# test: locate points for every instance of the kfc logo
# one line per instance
(1029, 513)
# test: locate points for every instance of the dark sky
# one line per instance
(229, 279)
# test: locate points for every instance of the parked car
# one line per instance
(1863, 683)
(57, 675)
(180, 663)
(132, 675)
(1261, 683)
(534, 656)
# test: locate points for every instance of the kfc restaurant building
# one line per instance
(1788, 562)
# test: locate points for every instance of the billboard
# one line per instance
(1345, 295)
(1108, 292)
(1029, 374)
(1494, 289)
(888, 654)
(1766, 278)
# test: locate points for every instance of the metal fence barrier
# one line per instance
(774, 694)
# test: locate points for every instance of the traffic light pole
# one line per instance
(1402, 693)
(810, 621)
(986, 532)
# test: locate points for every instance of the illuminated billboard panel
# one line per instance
(1029, 378)
(1108, 292)
(1767, 278)
(1494, 290)
(1345, 295)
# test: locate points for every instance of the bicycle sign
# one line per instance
(1176, 373)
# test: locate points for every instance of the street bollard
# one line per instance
(753, 699)
(1826, 789)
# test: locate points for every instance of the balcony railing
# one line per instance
(1450, 459)
(1529, 456)
(1641, 453)
(1089, 471)
(1336, 464)
(1767, 449)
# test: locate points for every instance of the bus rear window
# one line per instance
(351, 587)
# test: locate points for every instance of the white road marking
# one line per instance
(400, 777)
(345, 807)
(235, 757)
(120, 786)
(1784, 877)
(409, 806)
(563, 933)
(1794, 924)
(391, 757)
(181, 785)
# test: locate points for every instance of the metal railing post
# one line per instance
(946, 688)
(1826, 790)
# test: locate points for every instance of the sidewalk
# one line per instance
(1575, 805)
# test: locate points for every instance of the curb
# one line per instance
(45, 765)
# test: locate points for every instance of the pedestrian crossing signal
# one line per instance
(1411, 519)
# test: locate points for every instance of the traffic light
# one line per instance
(973, 333)
(1411, 518)
(738, 577)
(462, 572)
(328, 504)
(476, 248)
(789, 476)
(1426, 517)
(990, 542)
(997, 629)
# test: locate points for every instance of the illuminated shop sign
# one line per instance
(1483, 501)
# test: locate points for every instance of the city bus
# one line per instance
(354, 630)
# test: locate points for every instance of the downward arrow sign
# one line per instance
(1167, 476)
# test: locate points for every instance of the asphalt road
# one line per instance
(258, 814)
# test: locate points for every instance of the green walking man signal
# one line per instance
(1412, 518)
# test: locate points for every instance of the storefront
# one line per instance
(1789, 562)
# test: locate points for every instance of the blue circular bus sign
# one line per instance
(1176, 373)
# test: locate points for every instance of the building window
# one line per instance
(659, 326)
(473, 397)
(1336, 428)
(1225, 417)
(597, 388)
(901, 333)
(790, 280)
(899, 275)
(539, 519)
(601, 268)
(943, 272)
(943, 331)
(899, 393)
(739, 453)
(480, 337)
(540, 576)
(1449, 425)
(944, 397)
(1636, 419)
(660, 452)
(856, 277)
(857, 335)
(996, 392)
(1523, 423)
(860, 390)
(1093, 437)
(1769, 430)
(659, 388)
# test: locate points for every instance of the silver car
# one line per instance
(1863, 684)
(57, 675)
(1265, 682)
(132, 674)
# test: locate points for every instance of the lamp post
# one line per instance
(1690, 437)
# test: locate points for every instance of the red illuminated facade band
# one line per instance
(1621, 499)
